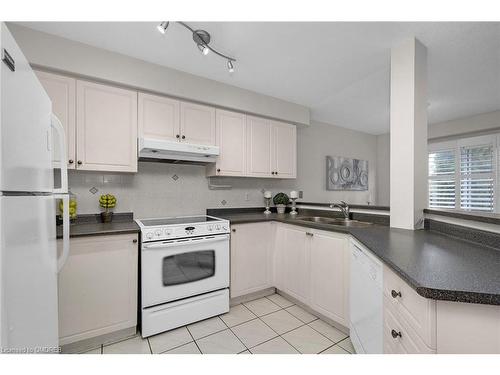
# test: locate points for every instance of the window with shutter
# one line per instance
(442, 179)
(477, 179)
(463, 174)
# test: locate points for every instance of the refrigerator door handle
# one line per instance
(56, 124)
(65, 214)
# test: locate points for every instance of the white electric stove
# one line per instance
(184, 271)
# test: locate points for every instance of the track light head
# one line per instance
(162, 27)
(203, 49)
(230, 66)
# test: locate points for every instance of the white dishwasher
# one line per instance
(366, 297)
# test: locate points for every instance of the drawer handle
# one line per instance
(233, 230)
(134, 240)
(395, 334)
(395, 294)
(309, 234)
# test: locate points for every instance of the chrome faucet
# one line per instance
(344, 207)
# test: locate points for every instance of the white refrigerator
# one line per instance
(29, 261)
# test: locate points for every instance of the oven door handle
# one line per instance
(184, 242)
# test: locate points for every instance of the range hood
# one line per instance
(173, 151)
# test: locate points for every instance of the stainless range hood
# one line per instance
(174, 151)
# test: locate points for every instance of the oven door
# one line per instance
(171, 270)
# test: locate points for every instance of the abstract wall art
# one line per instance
(346, 173)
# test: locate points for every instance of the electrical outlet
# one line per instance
(301, 194)
(247, 197)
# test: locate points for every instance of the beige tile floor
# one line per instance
(269, 325)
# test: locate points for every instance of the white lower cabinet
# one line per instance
(399, 337)
(409, 319)
(296, 266)
(251, 263)
(311, 266)
(467, 328)
(329, 265)
(97, 287)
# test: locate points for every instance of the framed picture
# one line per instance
(346, 173)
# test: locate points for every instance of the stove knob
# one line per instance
(210, 228)
(149, 235)
(158, 232)
(167, 233)
(217, 227)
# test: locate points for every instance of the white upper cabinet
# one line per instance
(271, 148)
(159, 117)
(329, 291)
(62, 92)
(284, 141)
(259, 147)
(197, 124)
(231, 139)
(102, 124)
(106, 121)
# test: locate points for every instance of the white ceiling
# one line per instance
(339, 70)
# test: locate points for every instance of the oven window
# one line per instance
(188, 267)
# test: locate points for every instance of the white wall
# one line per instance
(383, 169)
(153, 192)
(320, 140)
(64, 55)
(481, 123)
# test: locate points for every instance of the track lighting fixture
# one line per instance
(162, 27)
(203, 49)
(202, 40)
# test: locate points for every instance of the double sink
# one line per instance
(333, 221)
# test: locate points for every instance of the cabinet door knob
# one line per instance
(233, 230)
(395, 334)
(134, 240)
(177, 136)
(395, 294)
(183, 137)
(218, 169)
(71, 161)
(79, 162)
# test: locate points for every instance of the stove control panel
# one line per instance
(184, 230)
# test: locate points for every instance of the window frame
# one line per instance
(456, 145)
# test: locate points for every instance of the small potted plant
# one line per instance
(107, 201)
(72, 209)
(281, 200)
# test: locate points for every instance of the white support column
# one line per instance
(408, 195)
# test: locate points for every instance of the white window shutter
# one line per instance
(477, 177)
(442, 185)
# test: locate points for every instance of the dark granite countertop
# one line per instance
(437, 266)
(484, 217)
(355, 206)
(89, 225)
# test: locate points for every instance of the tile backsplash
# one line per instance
(161, 189)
